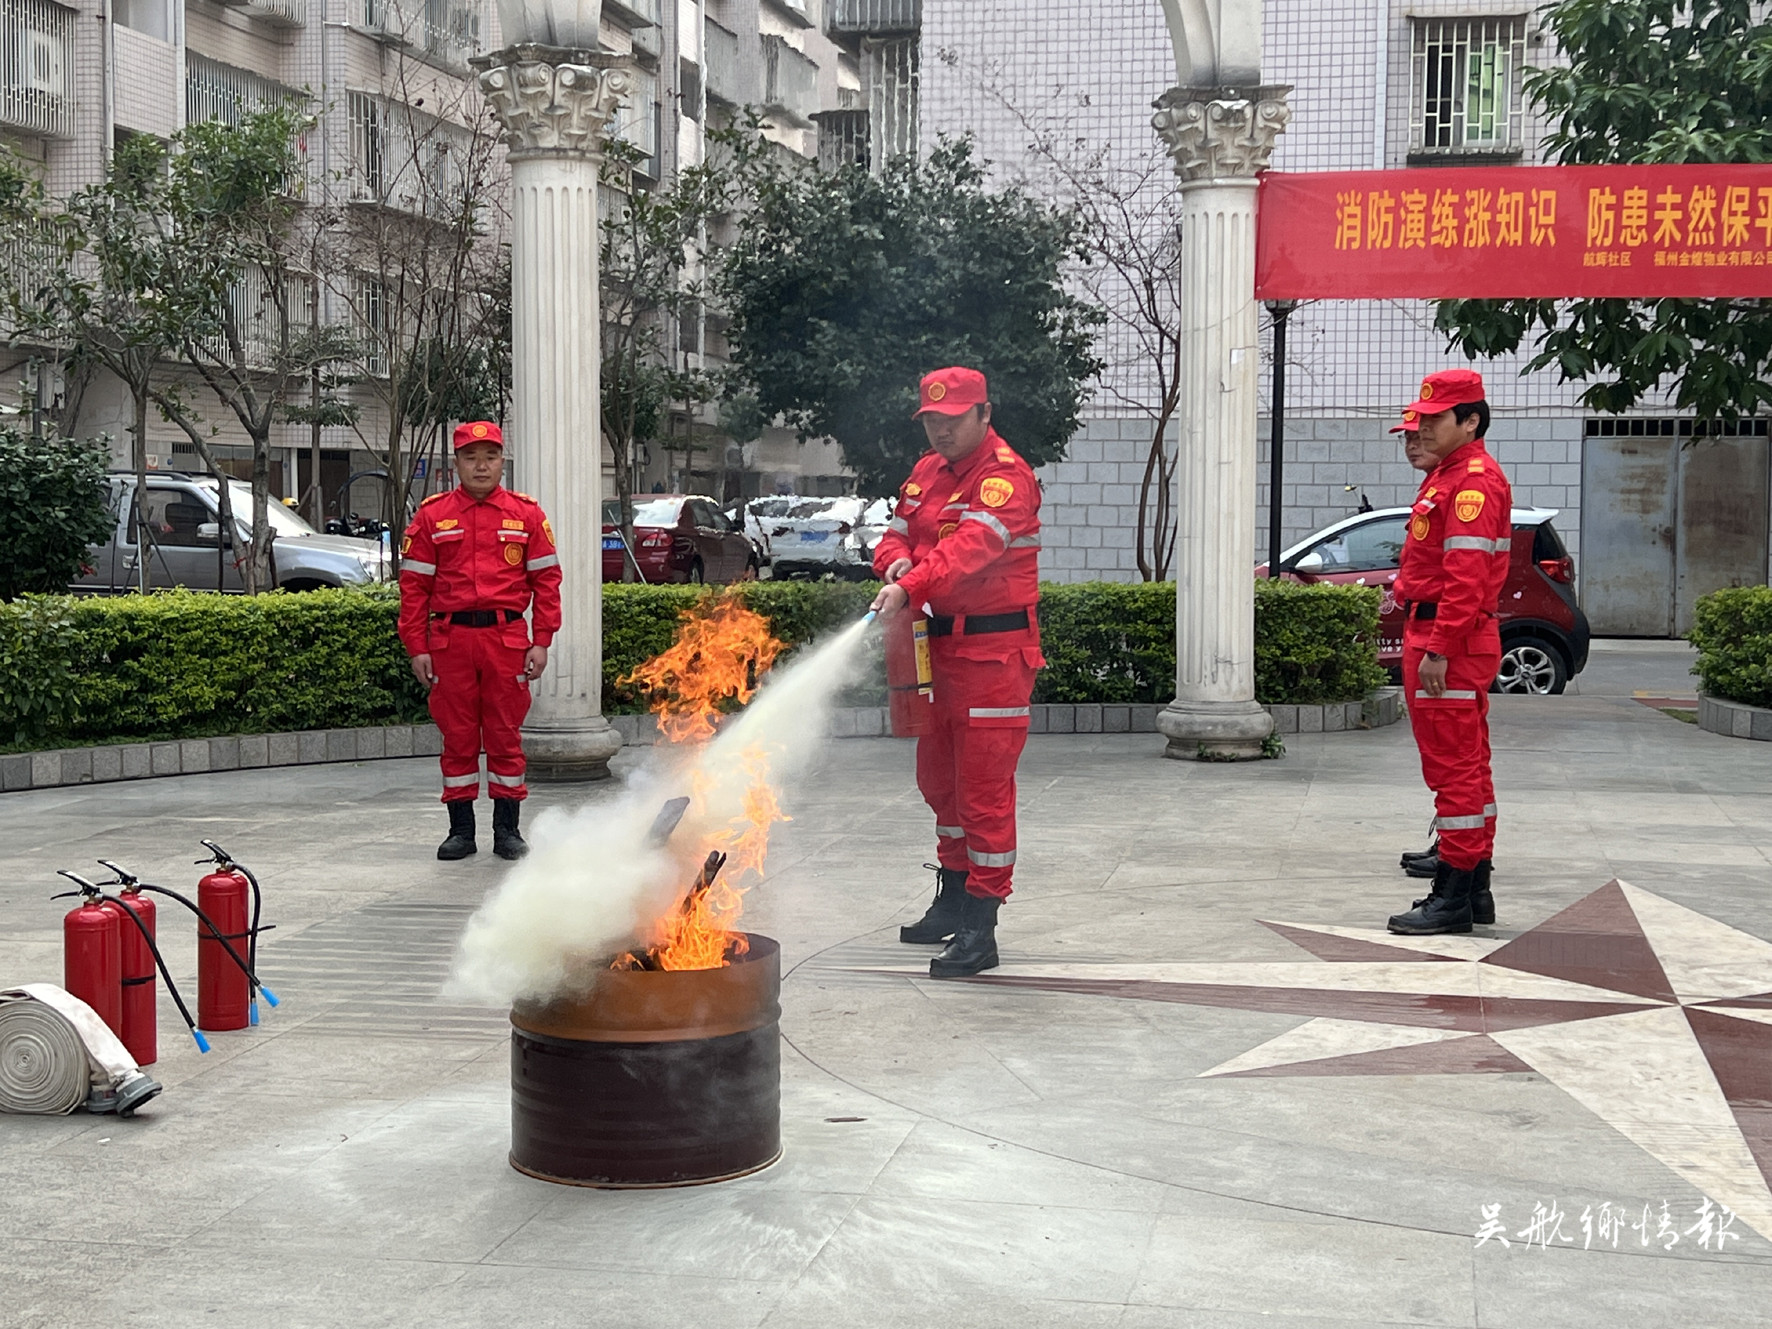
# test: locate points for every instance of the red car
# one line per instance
(678, 538)
(1544, 634)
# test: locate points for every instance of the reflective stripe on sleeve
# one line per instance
(462, 781)
(1450, 694)
(422, 569)
(900, 525)
(1490, 811)
(997, 712)
(545, 561)
(1025, 542)
(951, 832)
(1478, 543)
(1460, 823)
(508, 781)
(991, 860)
(990, 521)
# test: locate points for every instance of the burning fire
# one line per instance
(721, 654)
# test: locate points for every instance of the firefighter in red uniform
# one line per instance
(964, 549)
(473, 561)
(1455, 560)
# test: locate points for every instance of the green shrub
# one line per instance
(1315, 645)
(52, 508)
(1732, 630)
(187, 664)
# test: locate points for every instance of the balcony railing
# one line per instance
(284, 13)
(720, 72)
(214, 91)
(873, 18)
(439, 32)
(790, 81)
(37, 73)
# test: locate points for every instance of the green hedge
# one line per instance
(1732, 630)
(185, 664)
(188, 664)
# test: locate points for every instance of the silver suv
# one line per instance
(185, 548)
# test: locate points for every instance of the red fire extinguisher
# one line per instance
(910, 679)
(92, 953)
(132, 914)
(140, 1032)
(223, 988)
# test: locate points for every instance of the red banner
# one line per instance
(1492, 232)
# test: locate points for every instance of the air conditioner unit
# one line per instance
(43, 62)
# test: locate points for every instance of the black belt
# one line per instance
(480, 618)
(1421, 609)
(977, 624)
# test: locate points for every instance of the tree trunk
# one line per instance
(143, 541)
(257, 571)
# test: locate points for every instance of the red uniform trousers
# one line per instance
(1452, 735)
(966, 765)
(479, 702)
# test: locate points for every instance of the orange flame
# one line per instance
(721, 653)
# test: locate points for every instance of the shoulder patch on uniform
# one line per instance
(1005, 454)
(1476, 466)
(547, 529)
(1469, 504)
(441, 493)
(525, 497)
(995, 491)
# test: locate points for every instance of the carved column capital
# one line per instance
(1221, 133)
(552, 100)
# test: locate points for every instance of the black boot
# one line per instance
(507, 840)
(1423, 864)
(1482, 899)
(974, 947)
(461, 832)
(942, 919)
(1447, 909)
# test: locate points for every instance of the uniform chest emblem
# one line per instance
(912, 489)
(447, 524)
(947, 529)
(995, 491)
(1418, 527)
(513, 554)
(1468, 504)
(510, 524)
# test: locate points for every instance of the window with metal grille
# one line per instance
(1465, 86)
(1750, 427)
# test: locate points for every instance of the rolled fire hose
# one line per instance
(57, 1055)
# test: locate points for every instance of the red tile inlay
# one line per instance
(1476, 1055)
(1740, 1055)
(1596, 941)
(1426, 1010)
(1346, 949)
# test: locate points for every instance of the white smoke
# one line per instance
(593, 883)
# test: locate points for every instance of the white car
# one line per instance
(816, 537)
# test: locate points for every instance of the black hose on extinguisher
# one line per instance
(215, 932)
(89, 889)
(226, 862)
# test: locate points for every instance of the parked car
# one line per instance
(811, 540)
(678, 538)
(1544, 634)
(756, 517)
(868, 530)
(185, 546)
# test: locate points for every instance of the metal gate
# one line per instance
(1670, 509)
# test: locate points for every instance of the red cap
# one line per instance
(478, 431)
(1411, 423)
(952, 391)
(1446, 389)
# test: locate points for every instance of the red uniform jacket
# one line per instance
(1457, 551)
(461, 554)
(972, 533)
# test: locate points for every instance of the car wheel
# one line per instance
(697, 573)
(1531, 665)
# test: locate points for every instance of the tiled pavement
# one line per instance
(1159, 1111)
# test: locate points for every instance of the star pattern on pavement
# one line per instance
(1654, 1017)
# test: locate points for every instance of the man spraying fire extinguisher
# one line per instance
(962, 553)
(472, 562)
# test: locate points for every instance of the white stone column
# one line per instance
(554, 105)
(1219, 138)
